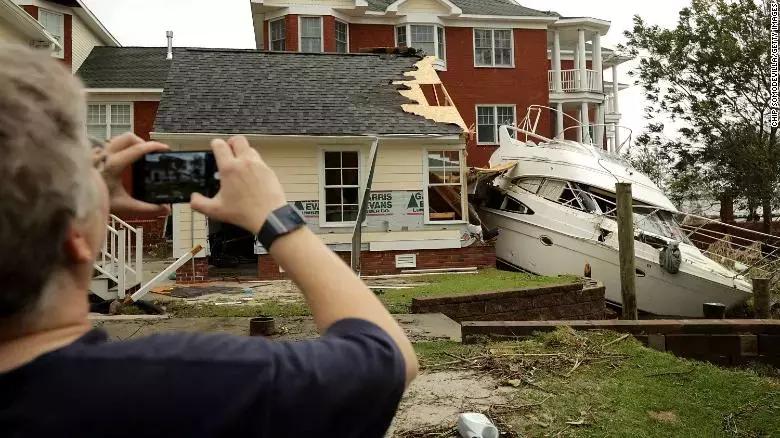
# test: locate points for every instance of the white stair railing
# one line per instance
(121, 259)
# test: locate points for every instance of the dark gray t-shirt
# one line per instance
(348, 383)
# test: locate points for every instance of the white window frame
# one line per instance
(336, 35)
(408, 27)
(323, 223)
(495, 120)
(60, 53)
(270, 33)
(108, 117)
(463, 206)
(300, 30)
(493, 47)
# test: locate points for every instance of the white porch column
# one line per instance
(585, 120)
(598, 130)
(597, 62)
(556, 61)
(582, 67)
(559, 120)
(615, 90)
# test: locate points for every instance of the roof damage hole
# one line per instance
(435, 95)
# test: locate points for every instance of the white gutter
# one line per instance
(124, 90)
(20, 19)
(193, 135)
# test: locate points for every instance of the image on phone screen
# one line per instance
(171, 177)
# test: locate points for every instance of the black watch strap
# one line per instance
(281, 221)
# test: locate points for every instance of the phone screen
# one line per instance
(171, 177)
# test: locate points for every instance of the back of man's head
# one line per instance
(44, 165)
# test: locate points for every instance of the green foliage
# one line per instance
(182, 309)
(488, 280)
(710, 76)
(618, 389)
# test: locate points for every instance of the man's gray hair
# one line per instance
(44, 171)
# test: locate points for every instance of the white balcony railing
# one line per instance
(571, 81)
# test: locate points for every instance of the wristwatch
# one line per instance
(283, 220)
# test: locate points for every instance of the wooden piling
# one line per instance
(761, 297)
(625, 223)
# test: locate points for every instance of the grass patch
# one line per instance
(579, 384)
(488, 280)
(211, 310)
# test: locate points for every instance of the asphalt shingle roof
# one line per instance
(477, 7)
(125, 67)
(252, 92)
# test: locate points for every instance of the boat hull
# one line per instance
(544, 251)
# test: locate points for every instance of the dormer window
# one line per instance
(54, 23)
(310, 32)
(426, 37)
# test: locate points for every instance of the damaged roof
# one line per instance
(477, 7)
(125, 67)
(251, 92)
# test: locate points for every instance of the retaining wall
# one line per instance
(569, 301)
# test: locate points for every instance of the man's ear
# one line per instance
(76, 246)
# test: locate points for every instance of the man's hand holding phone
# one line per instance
(249, 189)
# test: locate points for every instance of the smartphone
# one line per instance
(171, 177)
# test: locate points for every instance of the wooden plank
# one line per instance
(625, 223)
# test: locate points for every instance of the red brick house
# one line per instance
(496, 56)
(72, 25)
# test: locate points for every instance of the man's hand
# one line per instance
(249, 189)
(120, 154)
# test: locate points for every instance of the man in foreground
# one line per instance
(58, 377)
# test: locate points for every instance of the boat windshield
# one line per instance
(659, 222)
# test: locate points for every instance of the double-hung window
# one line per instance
(341, 188)
(342, 37)
(493, 48)
(54, 23)
(444, 186)
(108, 120)
(311, 34)
(489, 118)
(277, 34)
(426, 37)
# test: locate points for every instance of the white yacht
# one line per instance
(553, 203)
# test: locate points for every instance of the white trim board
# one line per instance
(409, 245)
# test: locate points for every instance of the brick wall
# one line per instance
(362, 36)
(383, 262)
(193, 272)
(153, 231)
(524, 85)
(571, 301)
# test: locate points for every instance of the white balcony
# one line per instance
(571, 81)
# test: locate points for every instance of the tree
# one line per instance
(710, 75)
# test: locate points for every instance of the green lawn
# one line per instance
(488, 280)
(574, 384)
(396, 300)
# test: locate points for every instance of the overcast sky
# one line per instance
(228, 23)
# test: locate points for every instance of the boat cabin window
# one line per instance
(514, 206)
(529, 184)
(569, 194)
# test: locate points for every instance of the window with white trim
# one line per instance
(427, 37)
(311, 34)
(277, 30)
(108, 120)
(341, 190)
(342, 37)
(493, 48)
(444, 186)
(54, 23)
(489, 118)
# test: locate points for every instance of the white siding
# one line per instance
(422, 6)
(189, 229)
(398, 167)
(9, 35)
(84, 40)
(296, 166)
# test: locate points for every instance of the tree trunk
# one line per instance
(766, 206)
(726, 208)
